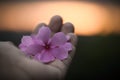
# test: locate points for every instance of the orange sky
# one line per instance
(88, 18)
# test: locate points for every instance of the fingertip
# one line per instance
(68, 28)
(55, 23)
(57, 17)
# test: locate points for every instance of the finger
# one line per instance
(69, 59)
(68, 28)
(73, 38)
(55, 23)
(38, 27)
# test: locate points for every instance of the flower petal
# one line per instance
(68, 37)
(45, 57)
(37, 56)
(22, 47)
(44, 34)
(58, 39)
(68, 46)
(37, 41)
(60, 53)
(34, 49)
(25, 42)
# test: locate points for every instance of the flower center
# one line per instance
(47, 46)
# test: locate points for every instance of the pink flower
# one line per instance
(45, 48)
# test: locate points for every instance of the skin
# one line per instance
(14, 65)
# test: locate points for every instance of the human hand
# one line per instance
(23, 68)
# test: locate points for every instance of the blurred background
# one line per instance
(97, 25)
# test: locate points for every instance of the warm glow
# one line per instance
(88, 18)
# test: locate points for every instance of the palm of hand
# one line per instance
(30, 69)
